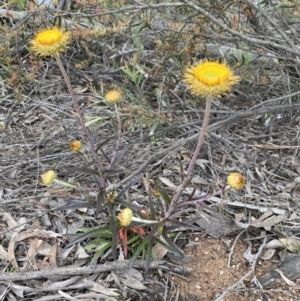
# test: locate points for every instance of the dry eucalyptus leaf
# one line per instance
(239, 216)
(160, 251)
(199, 180)
(19, 290)
(44, 249)
(132, 283)
(202, 163)
(3, 254)
(99, 288)
(286, 280)
(267, 220)
(167, 182)
(275, 243)
(247, 255)
(292, 244)
(62, 254)
(73, 227)
(80, 253)
(134, 273)
(146, 184)
(9, 220)
(268, 254)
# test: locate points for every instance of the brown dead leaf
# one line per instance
(160, 251)
(4, 254)
(53, 255)
(9, 220)
(239, 216)
(146, 184)
(30, 263)
(43, 265)
(11, 251)
(267, 220)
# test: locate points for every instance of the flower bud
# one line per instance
(113, 96)
(75, 146)
(48, 177)
(125, 217)
(236, 181)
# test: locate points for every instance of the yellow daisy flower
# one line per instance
(210, 79)
(75, 146)
(50, 42)
(113, 96)
(48, 177)
(236, 181)
(125, 217)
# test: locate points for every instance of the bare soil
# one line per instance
(211, 276)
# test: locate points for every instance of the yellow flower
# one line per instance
(125, 217)
(210, 79)
(113, 96)
(75, 146)
(236, 180)
(50, 42)
(48, 177)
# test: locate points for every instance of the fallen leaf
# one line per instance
(286, 280)
(80, 252)
(4, 254)
(292, 244)
(268, 254)
(132, 283)
(267, 220)
(160, 251)
(275, 243)
(167, 182)
(99, 288)
(134, 273)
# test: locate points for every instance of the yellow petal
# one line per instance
(210, 79)
(50, 42)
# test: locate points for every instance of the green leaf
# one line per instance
(90, 233)
(100, 201)
(163, 193)
(101, 250)
(103, 144)
(114, 231)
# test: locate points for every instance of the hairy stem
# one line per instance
(85, 130)
(193, 160)
(115, 157)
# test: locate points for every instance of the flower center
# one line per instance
(211, 74)
(49, 37)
